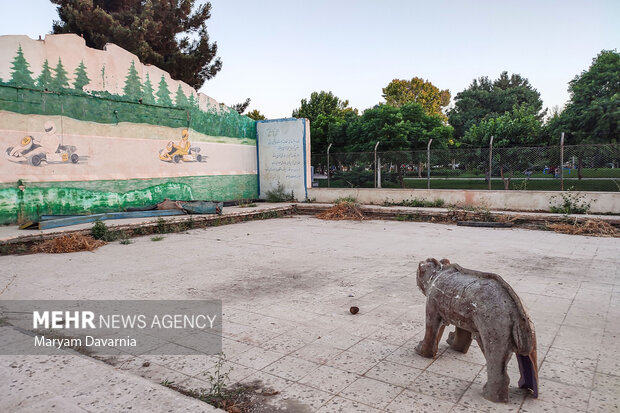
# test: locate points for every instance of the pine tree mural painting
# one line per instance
(133, 86)
(81, 78)
(193, 102)
(21, 76)
(44, 81)
(180, 99)
(147, 91)
(60, 81)
(163, 94)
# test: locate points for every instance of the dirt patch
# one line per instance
(592, 227)
(342, 211)
(68, 243)
(264, 281)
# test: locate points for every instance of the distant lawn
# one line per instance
(568, 173)
(531, 185)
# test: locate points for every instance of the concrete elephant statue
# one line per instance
(481, 306)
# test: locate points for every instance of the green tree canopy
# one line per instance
(170, 34)
(593, 113)
(320, 103)
(404, 129)
(45, 78)
(398, 92)
(485, 99)
(256, 115)
(163, 93)
(520, 127)
(241, 107)
(81, 78)
(322, 109)
(21, 76)
(407, 128)
(60, 81)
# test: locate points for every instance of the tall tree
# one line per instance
(45, 78)
(180, 98)
(323, 109)
(486, 99)
(519, 127)
(21, 76)
(163, 93)
(593, 112)
(147, 91)
(256, 115)
(170, 34)
(60, 81)
(398, 92)
(241, 107)
(81, 78)
(404, 129)
(133, 86)
(320, 103)
(407, 128)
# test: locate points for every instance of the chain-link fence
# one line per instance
(555, 168)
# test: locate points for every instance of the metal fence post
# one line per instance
(428, 164)
(379, 172)
(328, 171)
(490, 160)
(377, 144)
(562, 162)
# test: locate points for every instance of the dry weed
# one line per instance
(594, 227)
(68, 243)
(342, 211)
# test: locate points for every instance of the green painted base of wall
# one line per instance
(83, 197)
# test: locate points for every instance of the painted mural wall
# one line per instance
(85, 130)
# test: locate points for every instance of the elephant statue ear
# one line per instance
(445, 261)
(434, 261)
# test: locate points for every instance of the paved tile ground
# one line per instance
(287, 285)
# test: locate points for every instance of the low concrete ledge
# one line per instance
(520, 219)
(539, 201)
(13, 240)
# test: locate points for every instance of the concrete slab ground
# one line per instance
(287, 285)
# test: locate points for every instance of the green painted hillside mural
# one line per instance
(80, 197)
(51, 93)
(91, 131)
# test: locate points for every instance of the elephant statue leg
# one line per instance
(460, 340)
(434, 330)
(497, 355)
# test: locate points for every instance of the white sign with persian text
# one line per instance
(284, 156)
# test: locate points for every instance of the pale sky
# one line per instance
(277, 52)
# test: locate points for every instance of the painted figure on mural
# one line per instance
(47, 147)
(181, 151)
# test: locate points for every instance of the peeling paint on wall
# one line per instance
(68, 198)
